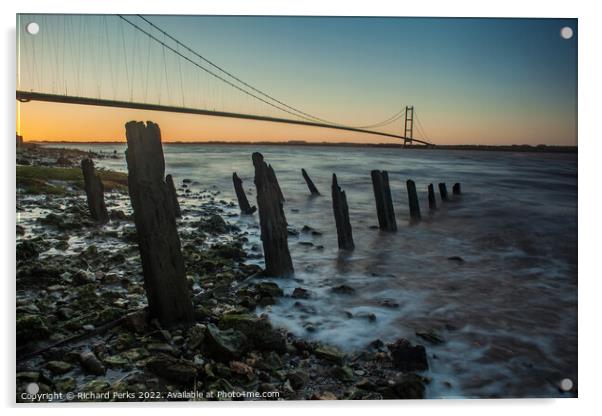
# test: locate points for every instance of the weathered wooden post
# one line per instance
(432, 199)
(384, 203)
(158, 241)
(243, 202)
(456, 189)
(443, 191)
(413, 200)
(310, 183)
(173, 195)
(94, 192)
(341, 216)
(274, 235)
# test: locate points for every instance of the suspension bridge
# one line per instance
(147, 68)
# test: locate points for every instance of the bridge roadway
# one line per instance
(25, 96)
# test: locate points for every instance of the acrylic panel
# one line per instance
(295, 208)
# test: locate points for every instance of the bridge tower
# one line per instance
(409, 125)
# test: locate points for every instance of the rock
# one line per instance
(196, 335)
(388, 303)
(297, 378)
(342, 373)
(173, 369)
(65, 384)
(116, 361)
(408, 357)
(330, 354)
(118, 215)
(162, 348)
(96, 386)
(31, 328)
(327, 395)
(213, 225)
(241, 368)
(259, 331)
(409, 386)
(27, 250)
(366, 315)
(431, 337)
(366, 384)
(28, 376)
(457, 259)
(58, 367)
(300, 293)
(91, 364)
(137, 321)
(81, 277)
(20, 230)
(269, 289)
(224, 345)
(343, 290)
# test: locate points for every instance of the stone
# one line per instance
(31, 328)
(330, 354)
(269, 289)
(298, 378)
(259, 331)
(342, 373)
(343, 290)
(409, 386)
(431, 337)
(300, 293)
(27, 250)
(408, 357)
(224, 345)
(137, 321)
(59, 367)
(91, 363)
(173, 369)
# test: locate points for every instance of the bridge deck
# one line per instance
(25, 96)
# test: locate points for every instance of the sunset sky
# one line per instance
(471, 81)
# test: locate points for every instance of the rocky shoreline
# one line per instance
(82, 327)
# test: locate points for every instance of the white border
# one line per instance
(590, 152)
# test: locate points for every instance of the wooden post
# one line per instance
(94, 192)
(341, 216)
(158, 241)
(310, 183)
(432, 199)
(243, 202)
(443, 191)
(456, 189)
(413, 200)
(173, 195)
(384, 203)
(274, 234)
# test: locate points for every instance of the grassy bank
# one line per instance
(57, 180)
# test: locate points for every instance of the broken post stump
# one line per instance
(274, 233)
(432, 199)
(384, 203)
(243, 202)
(173, 195)
(456, 189)
(443, 191)
(94, 192)
(413, 200)
(310, 183)
(158, 241)
(341, 216)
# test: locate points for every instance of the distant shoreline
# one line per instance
(494, 148)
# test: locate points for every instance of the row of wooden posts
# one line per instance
(155, 205)
(273, 222)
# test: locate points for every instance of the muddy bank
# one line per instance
(80, 288)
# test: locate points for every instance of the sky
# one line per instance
(471, 81)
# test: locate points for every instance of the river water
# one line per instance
(507, 313)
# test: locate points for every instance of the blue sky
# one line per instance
(490, 81)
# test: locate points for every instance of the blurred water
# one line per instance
(508, 313)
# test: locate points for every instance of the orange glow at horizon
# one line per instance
(42, 121)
